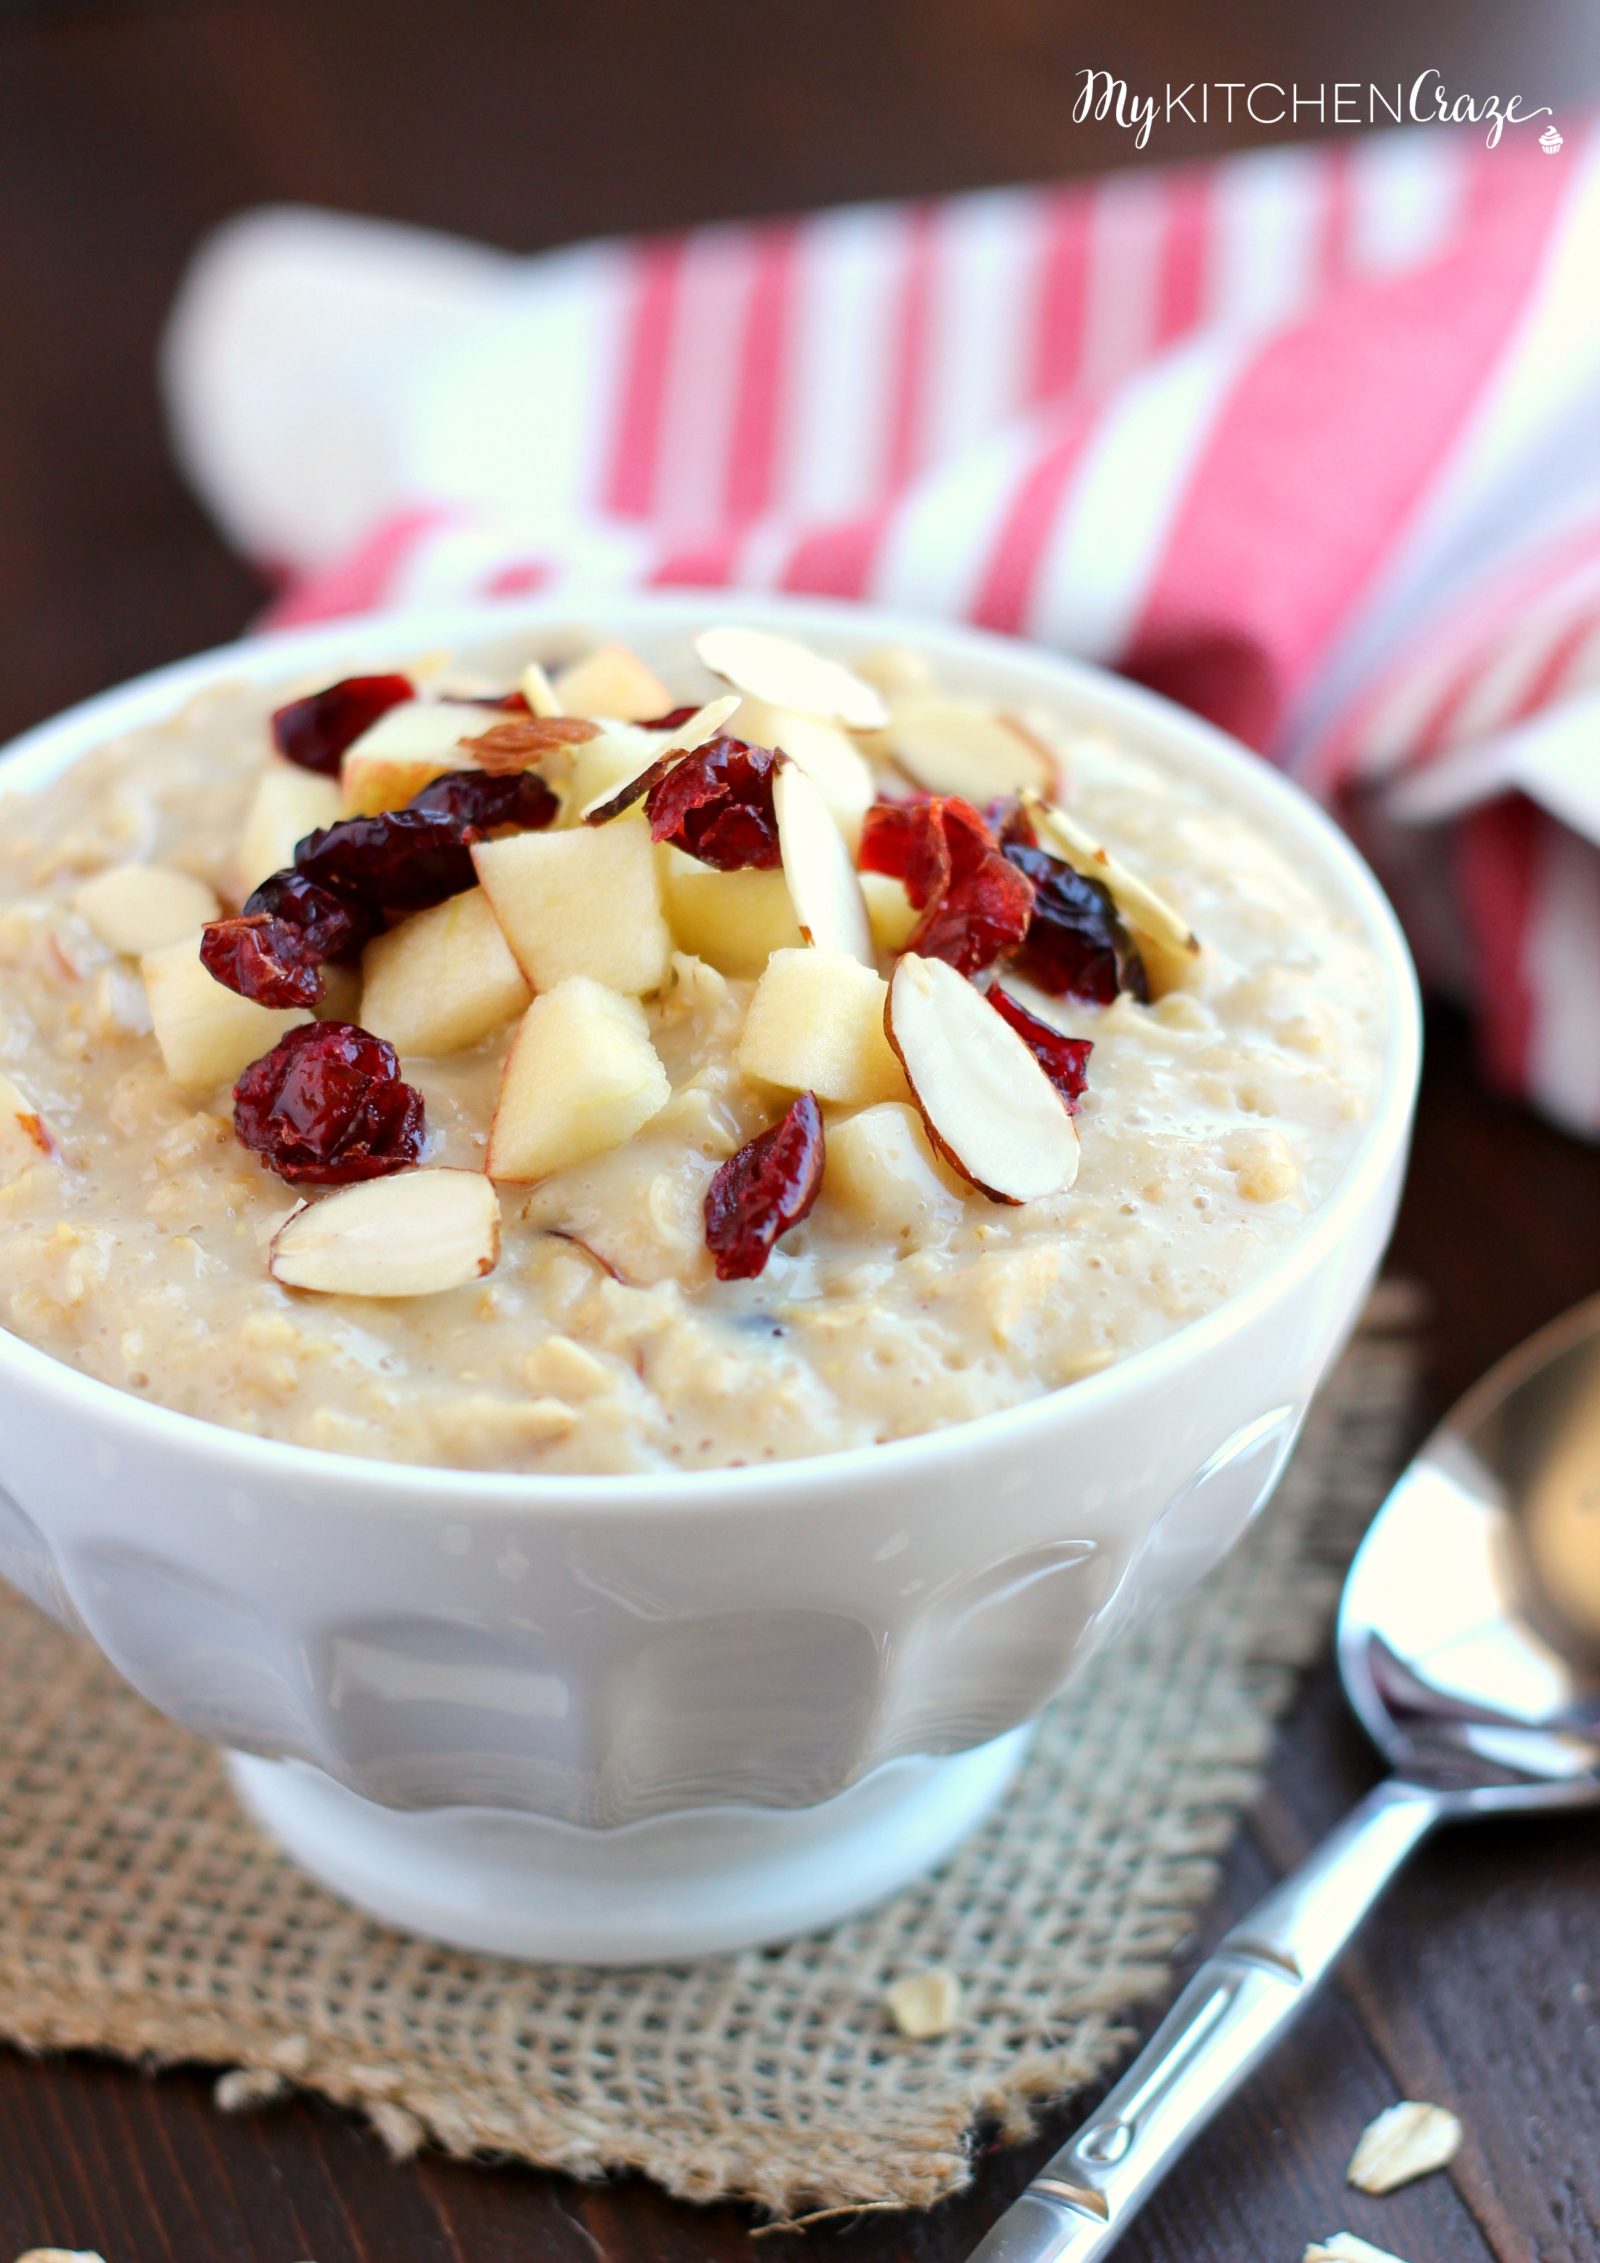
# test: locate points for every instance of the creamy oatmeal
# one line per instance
(652, 947)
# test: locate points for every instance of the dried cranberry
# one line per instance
(762, 1191)
(1064, 1060)
(327, 1106)
(263, 959)
(717, 804)
(400, 861)
(975, 904)
(314, 732)
(504, 702)
(337, 927)
(1010, 824)
(673, 720)
(1076, 946)
(484, 804)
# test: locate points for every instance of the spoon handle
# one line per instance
(1224, 2023)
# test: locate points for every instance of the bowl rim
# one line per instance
(1172, 732)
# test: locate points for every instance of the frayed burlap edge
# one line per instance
(140, 1914)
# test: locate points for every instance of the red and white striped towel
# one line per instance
(1309, 440)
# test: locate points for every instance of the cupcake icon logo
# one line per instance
(1549, 141)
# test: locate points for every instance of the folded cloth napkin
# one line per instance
(1309, 440)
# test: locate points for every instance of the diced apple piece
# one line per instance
(289, 803)
(582, 1076)
(959, 746)
(135, 908)
(442, 979)
(815, 1024)
(882, 1169)
(1167, 944)
(405, 750)
(601, 765)
(990, 1109)
(896, 670)
(831, 759)
(24, 1136)
(733, 920)
(413, 1235)
(890, 911)
(615, 683)
(776, 668)
(206, 1033)
(660, 750)
(581, 902)
(824, 886)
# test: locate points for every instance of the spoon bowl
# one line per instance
(1469, 1633)
(1469, 1644)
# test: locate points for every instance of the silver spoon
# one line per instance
(1469, 1643)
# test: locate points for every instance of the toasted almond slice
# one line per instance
(539, 692)
(786, 674)
(1161, 933)
(990, 1110)
(1344, 2247)
(135, 908)
(1409, 2140)
(924, 2004)
(824, 886)
(959, 746)
(526, 742)
(703, 724)
(407, 1236)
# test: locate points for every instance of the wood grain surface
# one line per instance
(124, 132)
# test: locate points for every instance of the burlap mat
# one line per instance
(141, 1914)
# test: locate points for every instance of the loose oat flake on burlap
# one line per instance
(141, 1914)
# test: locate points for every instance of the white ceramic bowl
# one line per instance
(620, 1717)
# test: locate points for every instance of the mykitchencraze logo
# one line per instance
(1263, 102)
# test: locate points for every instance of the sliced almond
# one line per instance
(135, 908)
(924, 2004)
(818, 870)
(1166, 941)
(990, 1110)
(959, 746)
(519, 742)
(1406, 2141)
(1344, 2247)
(703, 724)
(786, 674)
(539, 692)
(826, 753)
(412, 1235)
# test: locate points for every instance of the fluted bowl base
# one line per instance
(695, 1884)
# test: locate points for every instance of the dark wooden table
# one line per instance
(125, 131)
